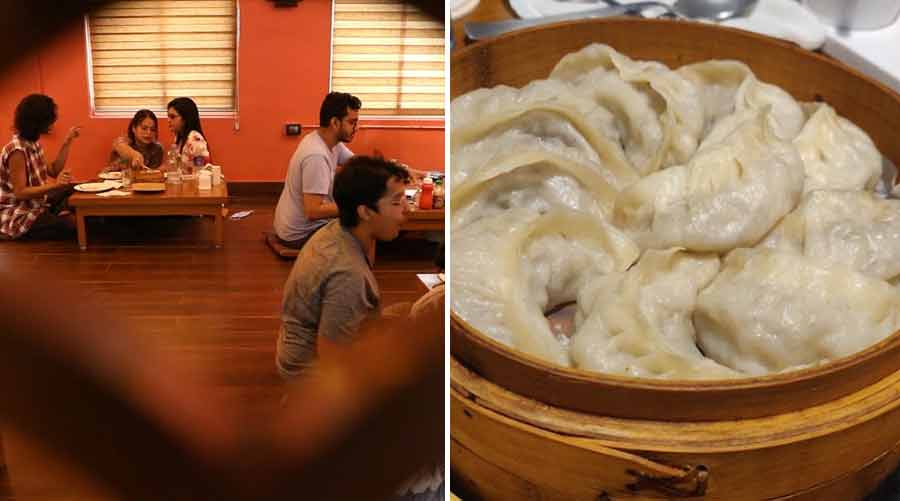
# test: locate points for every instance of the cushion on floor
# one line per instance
(278, 248)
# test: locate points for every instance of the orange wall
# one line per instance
(283, 76)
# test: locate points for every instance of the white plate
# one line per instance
(461, 8)
(110, 175)
(94, 187)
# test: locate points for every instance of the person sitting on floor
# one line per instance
(33, 192)
(190, 144)
(139, 148)
(306, 203)
(331, 288)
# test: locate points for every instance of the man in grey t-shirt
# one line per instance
(306, 203)
(331, 288)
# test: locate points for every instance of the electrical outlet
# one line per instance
(292, 129)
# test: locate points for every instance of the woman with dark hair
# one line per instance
(33, 192)
(184, 122)
(140, 147)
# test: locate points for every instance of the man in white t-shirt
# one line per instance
(306, 202)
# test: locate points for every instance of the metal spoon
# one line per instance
(717, 10)
(478, 31)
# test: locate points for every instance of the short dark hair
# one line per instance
(138, 118)
(335, 105)
(34, 116)
(363, 181)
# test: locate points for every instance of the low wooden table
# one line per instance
(183, 199)
(418, 220)
(424, 220)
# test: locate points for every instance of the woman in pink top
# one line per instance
(33, 192)
(184, 122)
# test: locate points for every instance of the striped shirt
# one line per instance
(17, 216)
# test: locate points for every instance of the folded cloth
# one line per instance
(114, 193)
(785, 19)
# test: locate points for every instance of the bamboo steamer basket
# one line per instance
(524, 429)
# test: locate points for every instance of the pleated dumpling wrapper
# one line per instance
(638, 323)
(770, 311)
(729, 195)
(509, 269)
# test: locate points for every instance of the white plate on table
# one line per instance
(94, 187)
(461, 8)
(110, 175)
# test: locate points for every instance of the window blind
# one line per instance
(146, 52)
(390, 54)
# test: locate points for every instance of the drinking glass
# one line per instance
(127, 174)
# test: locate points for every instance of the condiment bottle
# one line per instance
(438, 197)
(425, 199)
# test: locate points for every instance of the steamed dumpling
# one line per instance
(856, 229)
(731, 92)
(770, 311)
(729, 195)
(837, 155)
(637, 116)
(785, 116)
(676, 98)
(517, 171)
(510, 268)
(717, 82)
(544, 109)
(638, 323)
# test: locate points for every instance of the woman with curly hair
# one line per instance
(33, 191)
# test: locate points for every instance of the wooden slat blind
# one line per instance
(146, 52)
(391, 55)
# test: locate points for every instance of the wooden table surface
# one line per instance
(184, 199)
(424, 220)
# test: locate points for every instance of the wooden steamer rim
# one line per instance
(505, 446)
(520, 57)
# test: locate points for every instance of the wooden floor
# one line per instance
(216, 308)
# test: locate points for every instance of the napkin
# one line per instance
(242, 214)
(785, 19)
(114, 193)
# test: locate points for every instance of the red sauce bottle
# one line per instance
(426, 197)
